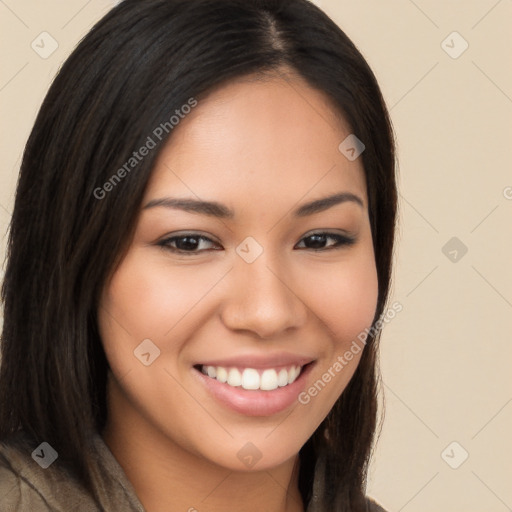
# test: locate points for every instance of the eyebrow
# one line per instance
(215, 209)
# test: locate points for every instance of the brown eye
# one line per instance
(187, 243)
(192, 243)
(317, 241)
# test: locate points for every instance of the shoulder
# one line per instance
(9, 487)
(31, 479)
(18, 487)
(18, 494)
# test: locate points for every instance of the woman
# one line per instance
(199, 260)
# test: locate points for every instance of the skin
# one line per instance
(261, 147)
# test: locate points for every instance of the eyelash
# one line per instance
(341, 241)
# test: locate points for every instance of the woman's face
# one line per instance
(259, 297)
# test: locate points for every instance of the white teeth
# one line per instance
(249, 378)
(222, 374)
(234, 378)
(293, 374)
(282, 378)
(269, 380)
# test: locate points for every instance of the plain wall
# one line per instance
(446, 356)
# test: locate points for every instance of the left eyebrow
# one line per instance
(319, 205)
(215, 209)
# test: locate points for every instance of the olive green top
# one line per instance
(31, 482)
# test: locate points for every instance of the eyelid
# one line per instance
(332, 231)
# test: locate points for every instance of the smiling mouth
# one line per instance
(266, 379)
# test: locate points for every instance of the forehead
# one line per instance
(268, 140)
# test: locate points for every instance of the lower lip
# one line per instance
(255, 402)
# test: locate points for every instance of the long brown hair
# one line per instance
(138, 64)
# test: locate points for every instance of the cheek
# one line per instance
(344, 298)
(345, 301)
(149, 299)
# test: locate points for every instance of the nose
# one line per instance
(263, 299)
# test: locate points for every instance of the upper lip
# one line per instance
(260, 360)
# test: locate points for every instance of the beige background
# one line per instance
(446, 357)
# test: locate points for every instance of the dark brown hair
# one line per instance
(133, 70)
